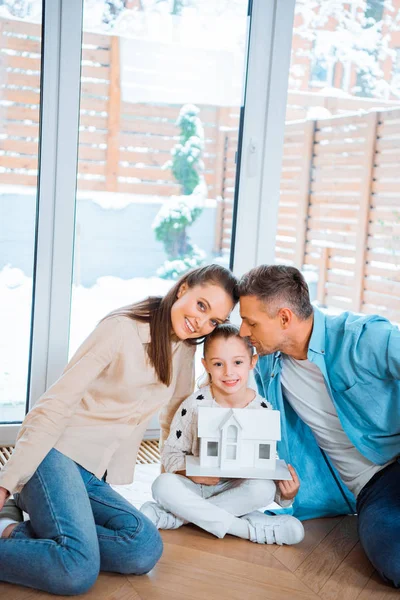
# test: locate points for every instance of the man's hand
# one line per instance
(3, 496)
(204, 480)
(289, 489)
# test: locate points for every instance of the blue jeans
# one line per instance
(78, 526)
(378, 508)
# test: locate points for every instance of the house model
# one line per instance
(238, 443)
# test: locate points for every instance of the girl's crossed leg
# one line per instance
(217, 509)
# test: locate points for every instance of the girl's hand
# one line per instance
(289, 489)
(204, 480)
(3, 496)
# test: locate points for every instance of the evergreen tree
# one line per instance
(180, 212)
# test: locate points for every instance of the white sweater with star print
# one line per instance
(183, 438)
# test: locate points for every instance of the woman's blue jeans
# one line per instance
(78, 526)
(378, 508)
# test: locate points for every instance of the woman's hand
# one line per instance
(3, 496)
(289, 489)
(204, 480)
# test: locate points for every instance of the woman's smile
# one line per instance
(189, 326)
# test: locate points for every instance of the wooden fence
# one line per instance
(301, 103)
(340, 208)
(123, 147)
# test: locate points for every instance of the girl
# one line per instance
(87, 428)
(220, 506)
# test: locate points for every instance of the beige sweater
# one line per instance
(97, 412)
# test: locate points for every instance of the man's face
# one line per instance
(266, 333)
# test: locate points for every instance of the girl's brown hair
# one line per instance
(226, 331)
(156, 310)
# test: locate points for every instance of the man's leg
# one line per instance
(129, 543)
(378, 507)
(57, 550)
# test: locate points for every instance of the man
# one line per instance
(336, 381)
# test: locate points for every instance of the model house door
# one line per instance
(230, 447)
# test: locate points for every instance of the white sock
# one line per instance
(239, 528)
(4, 523)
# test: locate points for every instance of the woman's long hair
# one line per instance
(156, 310)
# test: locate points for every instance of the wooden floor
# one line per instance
(328, 564)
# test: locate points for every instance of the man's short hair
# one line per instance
(278, 285)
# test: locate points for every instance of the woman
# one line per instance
(85, 431)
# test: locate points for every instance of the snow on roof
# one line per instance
(256, 424)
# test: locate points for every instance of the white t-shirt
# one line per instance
(304, 387)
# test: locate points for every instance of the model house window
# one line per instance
(231, 446)
(232, 433)
(231, 451)
(264, 451)
(212, 448)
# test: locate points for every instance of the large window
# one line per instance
(161, 97)
(339, 214)
(146, 130)
(20, 58)
(166, 118)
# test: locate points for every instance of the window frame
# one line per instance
(260, 154)
(55, 220)
(257, 178)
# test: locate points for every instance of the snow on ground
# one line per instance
(15, 316)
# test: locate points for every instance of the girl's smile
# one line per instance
(228, 363)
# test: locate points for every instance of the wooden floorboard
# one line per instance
(191, 537)
(350, 577)
(204, 575)
(315, 531)
(376, 589)
(329, 564)
(323, 561)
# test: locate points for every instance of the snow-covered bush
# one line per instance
(186, 164)
(176, 214)
(180, 212)
(173, 269)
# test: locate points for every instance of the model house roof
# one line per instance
(231, 417)
(262, 424)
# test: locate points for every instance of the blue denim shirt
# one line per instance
(359, 357)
